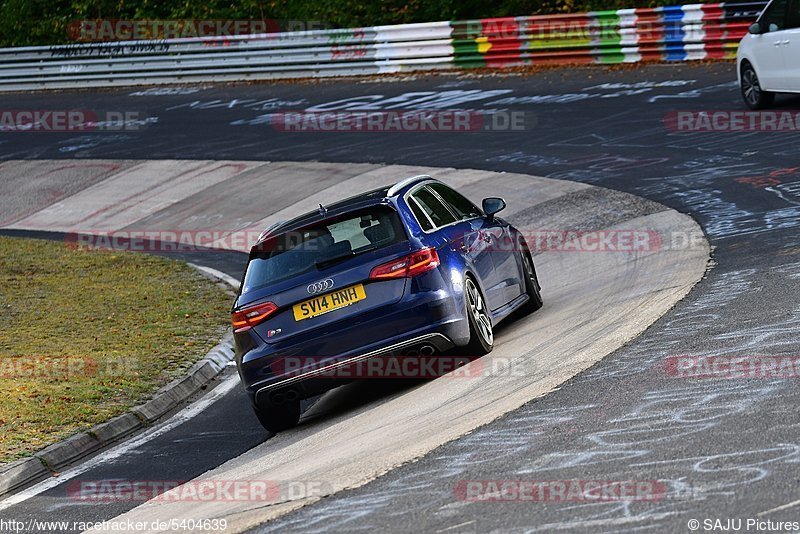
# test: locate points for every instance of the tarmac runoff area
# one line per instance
(610, 264)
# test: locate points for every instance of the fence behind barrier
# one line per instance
(676, 33)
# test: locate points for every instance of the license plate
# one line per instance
(328, 302)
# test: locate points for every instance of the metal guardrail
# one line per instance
(678, 33)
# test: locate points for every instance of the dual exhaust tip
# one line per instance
(424, 350)
(282, 397)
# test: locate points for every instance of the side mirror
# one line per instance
(756, 28)
(493, 205)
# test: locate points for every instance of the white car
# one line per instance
(768, 60)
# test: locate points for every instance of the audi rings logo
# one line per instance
(318, 287)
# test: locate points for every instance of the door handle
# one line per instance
(777, 43)
(785, 42)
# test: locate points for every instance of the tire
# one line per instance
(279, 418)
(481, 335)
(532, 287)
(754, 96)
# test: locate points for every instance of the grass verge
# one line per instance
(85, 335)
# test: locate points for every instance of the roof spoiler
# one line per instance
(268, 230)
(408, 181)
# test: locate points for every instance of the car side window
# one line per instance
(793, 15)
(422, 218)
(459, 204)
(774, 16)
(437, 211)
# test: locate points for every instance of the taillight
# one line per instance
(246, 318)
(414, 264)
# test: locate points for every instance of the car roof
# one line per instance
(374, 197)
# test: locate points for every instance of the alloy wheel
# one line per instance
(477, 308)
(750, 86)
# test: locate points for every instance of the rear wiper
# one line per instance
(327, 262)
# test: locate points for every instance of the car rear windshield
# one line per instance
(322, 245)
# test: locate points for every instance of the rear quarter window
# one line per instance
(420, 215)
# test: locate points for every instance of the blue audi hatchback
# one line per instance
(415, 269)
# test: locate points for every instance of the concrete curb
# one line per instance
(49, 461)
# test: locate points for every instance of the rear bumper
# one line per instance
(306, 364)
(321, 378)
